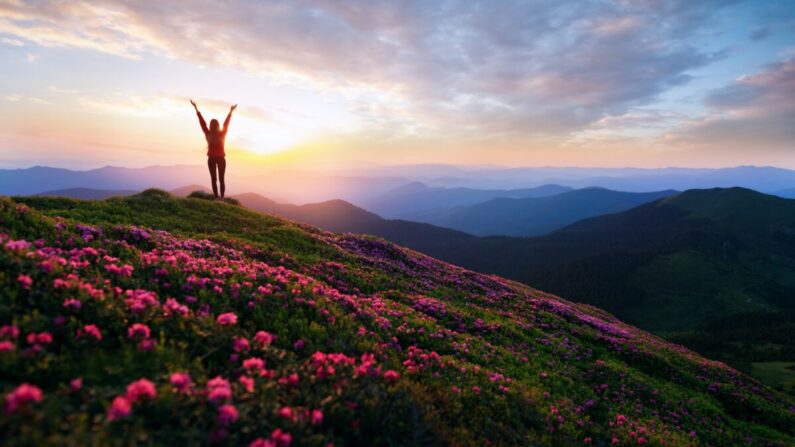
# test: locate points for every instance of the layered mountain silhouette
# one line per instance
(788, 193)
(677, 262)
(365, 187)
(407, 200)
(40, 179)
(343, 217)
(535, 215)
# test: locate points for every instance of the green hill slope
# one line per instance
(196, 322)
(700, 255)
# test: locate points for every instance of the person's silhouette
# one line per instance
(216, 157)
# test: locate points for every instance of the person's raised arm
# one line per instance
(201, 118)
(229, 117)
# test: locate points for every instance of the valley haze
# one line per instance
(369, 188)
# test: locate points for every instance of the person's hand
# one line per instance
(232, 109)
(194, 105)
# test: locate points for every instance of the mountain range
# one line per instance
(761, 178)
(531, 216)
(415, 197)
(786, 193)
(363, 187)
(343, 217)
(40, 179)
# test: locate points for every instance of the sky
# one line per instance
(328, 84)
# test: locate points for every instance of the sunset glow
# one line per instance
(643, 83)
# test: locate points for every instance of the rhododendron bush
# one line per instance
(133, 321)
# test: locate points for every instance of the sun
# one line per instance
(266, 138)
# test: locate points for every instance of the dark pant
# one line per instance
(220, 164)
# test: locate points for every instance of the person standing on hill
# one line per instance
(216, 157)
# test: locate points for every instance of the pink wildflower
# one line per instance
(240, 344)
(76, 384)
(218, 389)
(9, 331)
(90, 331)
(72, 303)
(139, 300)
(173, 307)
(6, 346)
(291, 380)
(316, 417)
(264, 338)
(119, 408)
(254, 364)
(620, 419)
(227, 319)
(139, 331)
(21, 395)
(391, 376)
(247, 382)
(285, 412)
(281, 438)
(181, 382)
(18, 245)
(24, 281)
(227, 414)
(124, 270)
(259, 442)
(42, 338)
(141, 389)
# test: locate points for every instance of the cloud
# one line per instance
(755, 111)
(63, 91)
(40, 101)
(11, 42)
(30, 99)
(759, 33)
(479, 67)
(160, 105)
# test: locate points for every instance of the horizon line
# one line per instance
(471, 168)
